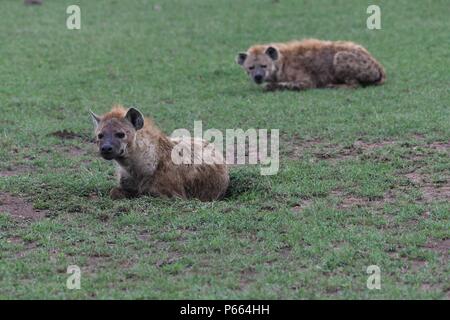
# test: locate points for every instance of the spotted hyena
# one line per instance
(311, 63)
(145, 165)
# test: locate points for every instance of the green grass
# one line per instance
(308, 232)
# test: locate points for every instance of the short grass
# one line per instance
(341, 201)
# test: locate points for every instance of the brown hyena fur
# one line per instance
(311, 63)
(145, 163)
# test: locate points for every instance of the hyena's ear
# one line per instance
(135, 117)
(272, 53)
(240, 58)
(95, 118)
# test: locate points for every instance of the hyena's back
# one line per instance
(328, 62)
(357, 63)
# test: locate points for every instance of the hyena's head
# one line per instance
(116, 131)
(259, 62)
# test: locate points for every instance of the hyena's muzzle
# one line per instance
(258, 75)
(110, 147)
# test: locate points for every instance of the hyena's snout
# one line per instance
(258, 75)
(106, 150)
(110, 149)
(258, 78)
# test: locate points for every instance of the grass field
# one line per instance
(364, 175)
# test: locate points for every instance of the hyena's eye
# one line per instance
(100, 136)
(263, 66)
(252, 67)
(120, 135)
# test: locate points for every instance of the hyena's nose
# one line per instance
(106, 148)
(258, 78)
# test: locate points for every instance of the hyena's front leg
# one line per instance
(271, 86)
(127, 187)
(117, 193)
(348, 85)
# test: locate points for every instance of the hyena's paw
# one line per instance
(349, 85)
(295, 86)
(118, 193)
(271, 86)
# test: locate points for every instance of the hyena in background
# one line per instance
(311, 63)
(144, 157)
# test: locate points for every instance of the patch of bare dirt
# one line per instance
(430, 287)
(29, 247)
(94, 262)
(72, 151)
(76, 152)
(441, 247)
(369, 146)
(16, 171)
(296, 147)
(70, 135)
(17, 240)
(350, 201)
(168, 261)
(19, 208)
(247, 276)
(430, 191)
(409, 264)
(65, 134)
(347, 201)
(440, 146)
(358, 148)
(412, 265)
(302, 205)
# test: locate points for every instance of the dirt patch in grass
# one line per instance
(168, 261)
(441, 247)
(295, 148)
(16, 171)
(428, 287)
(247, 277)
(440, 146)
(70, 135)
(348, 201)
(97, 259)
(302, 205)
(430, 191)
(75, 151)
(357, 149)
(66, 134)
(19, 208)
(29, 247)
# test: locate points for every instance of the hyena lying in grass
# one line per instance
(311, 63)
(144, 157)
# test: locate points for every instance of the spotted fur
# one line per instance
(311, 63)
